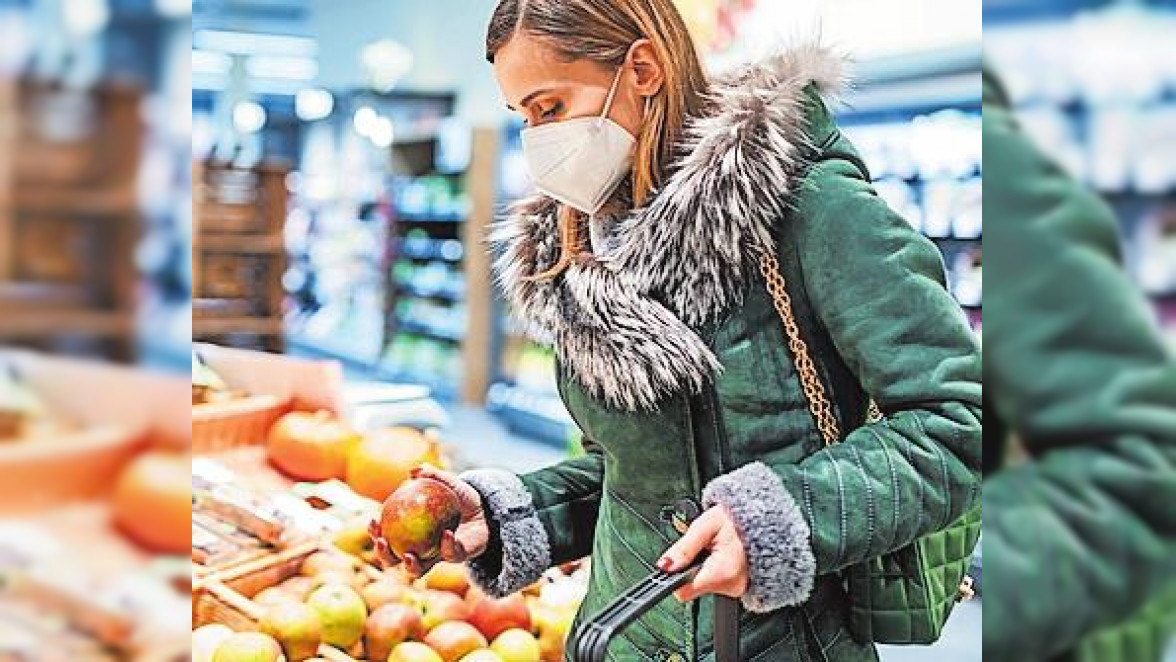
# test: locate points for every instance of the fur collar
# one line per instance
(626, 327)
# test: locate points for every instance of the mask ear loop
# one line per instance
(612, 91)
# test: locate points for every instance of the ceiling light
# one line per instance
(84, 18)
(285, 68)
(313, 104)
(383, 133)
(252, 43)
(248, 117)
(365, 121)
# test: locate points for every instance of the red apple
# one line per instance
(454, 639)
(440, 606)
(416, 516)
(493, 617)
(388, 626)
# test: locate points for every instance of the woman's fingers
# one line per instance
(384, 554)
(725, 570)
(697, 538)
(415, 566)
(719, 575)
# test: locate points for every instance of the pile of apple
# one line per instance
(319, 446)
(386, 616)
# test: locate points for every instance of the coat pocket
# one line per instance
(760, 398)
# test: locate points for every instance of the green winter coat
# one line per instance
(674, 364)
(1083, 534)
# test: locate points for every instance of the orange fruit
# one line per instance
(152, 501)
(309, 446)
(381, 462)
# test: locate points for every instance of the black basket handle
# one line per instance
(589, 643)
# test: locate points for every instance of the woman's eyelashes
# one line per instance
(541, 115)
(552, 112)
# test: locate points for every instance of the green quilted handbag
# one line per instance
(905, 596)
(1142, 638)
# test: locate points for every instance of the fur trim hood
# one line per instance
(625, 326)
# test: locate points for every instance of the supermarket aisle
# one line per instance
(479, 439)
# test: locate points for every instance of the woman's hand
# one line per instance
(468, 541)
(725, 571)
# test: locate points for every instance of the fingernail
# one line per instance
(664, 563)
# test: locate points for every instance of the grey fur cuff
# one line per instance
(520, 552)
(775, 535)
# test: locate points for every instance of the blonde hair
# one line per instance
(603, 32)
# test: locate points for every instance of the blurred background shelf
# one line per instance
(69, 218)
(238, 254)
(1109, 125)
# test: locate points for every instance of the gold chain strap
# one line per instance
(810, 381)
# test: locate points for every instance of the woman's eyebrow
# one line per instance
(527, 99)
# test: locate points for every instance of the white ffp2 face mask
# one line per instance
(580, 161)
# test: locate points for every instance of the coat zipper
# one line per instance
(695, 489)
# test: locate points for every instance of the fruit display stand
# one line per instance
(440, 612)
(319, 481)
(225, 597)
(105, 416)
(72, 592)
(100, 492)
(230, 435)
(330, 584)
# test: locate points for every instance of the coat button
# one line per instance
(685, 511)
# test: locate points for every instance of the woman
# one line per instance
(641, 263)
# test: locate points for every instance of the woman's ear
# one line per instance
(647, 67)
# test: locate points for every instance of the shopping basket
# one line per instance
(589, 643)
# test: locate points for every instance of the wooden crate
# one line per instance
(9, 128)
(225, 596)
(276, 384)
(222, 426)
